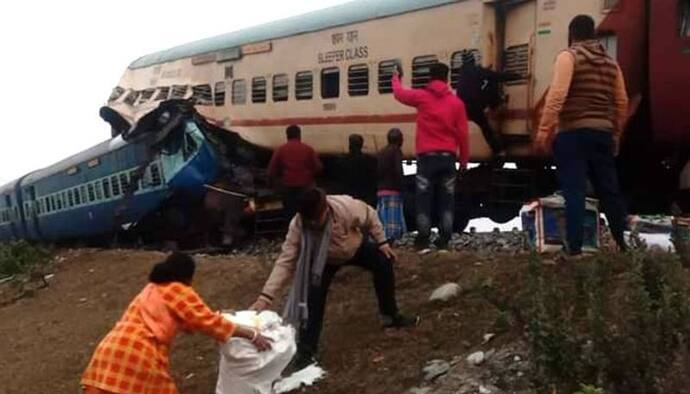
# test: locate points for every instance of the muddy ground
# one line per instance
(48, 337)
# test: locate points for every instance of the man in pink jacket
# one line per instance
(442, 137)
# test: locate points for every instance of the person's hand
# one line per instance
(262, 343)
(542, 143)
(396, 71)
(388, 252)
(260, 305)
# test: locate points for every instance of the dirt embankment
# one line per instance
(47, 339)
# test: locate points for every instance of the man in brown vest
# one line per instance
(588, 104)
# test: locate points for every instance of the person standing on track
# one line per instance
(442, 139)
(296, 165)
(588, 103)
(390, 186)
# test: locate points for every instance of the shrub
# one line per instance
(20, 257)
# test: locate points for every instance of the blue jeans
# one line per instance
(579, 153)
(435, 181)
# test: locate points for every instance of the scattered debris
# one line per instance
(445, 292)
(488, 337)
(434, 369)
(307, 377)
(476, 358)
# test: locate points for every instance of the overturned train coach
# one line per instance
(330, 71)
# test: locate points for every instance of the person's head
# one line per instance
(178, 267)
(312, 208)
(582, 28)
(356, 143)
(438, 72)
(395, 137)
(293, 132)
(468, 58)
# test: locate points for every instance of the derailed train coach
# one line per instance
(151, 181)
(330, 71)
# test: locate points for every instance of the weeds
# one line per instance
(21, 258)
(616, 331)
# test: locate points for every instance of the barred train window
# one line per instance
(304, 85)
(99, 191)
(358, 80)
(421, 70)
(163, 93)
(219, 98)
(456, 64)
(202, 94)
(146, 95)
(155, 175)
(116, 93)
(684, 21)
(92, 194)
(280, 87)
(132, 97)
(124, 183)
(116, 186)
(106, 188)
(178, 91)
(77, 197)
(259, 90)
(330, 82)
(239, 92)
(516, 60)
(386, 69)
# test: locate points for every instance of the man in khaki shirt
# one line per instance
(349, 223)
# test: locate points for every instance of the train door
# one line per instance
(31, 213)
(516, 26)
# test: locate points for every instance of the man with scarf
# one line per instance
(586, 109)
(327, 233)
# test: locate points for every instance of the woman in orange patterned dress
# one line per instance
(134, 357)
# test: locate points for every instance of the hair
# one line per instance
(581, 28)
(293, 132)
(438, 72)
(310, 203)
(356, 142)
(468, 58)
(177, 267)
(395, 136)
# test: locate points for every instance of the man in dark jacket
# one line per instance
(390, 186)
(478, 88)
(355, 167)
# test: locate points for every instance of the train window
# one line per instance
(70, 198)
(456, 64)
(330, 82)
(155, 175)
(684, 13)
(106, 188)
(178, 91)
(116, 93)
(280, 87)
(134, 182)
(202, 94)
(63, 199)
(116, 186)
(99, 190)
(610, 4)
(163, 93)
(239, 92)
(421, 70)
(53, 203)
(259, 90)
(358, 80)
(304, 85)
(229, 72)
(77, 196)
(58, 199)
(386, 69)
(219, 98)
(124, 183)
(516, 60)
(83, 194)
(132, 97)
(146, 95)
(92, 192)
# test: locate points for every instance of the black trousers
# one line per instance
(478, 116)
(371, 259)
(579, 153)
(290, 195)
(435, 188)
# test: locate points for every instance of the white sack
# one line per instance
(243, 369)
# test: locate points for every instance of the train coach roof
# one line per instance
(352, 12)
(81, 157)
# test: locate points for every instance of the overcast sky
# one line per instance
(60, 60)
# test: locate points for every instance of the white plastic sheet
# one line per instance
(243, 369)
